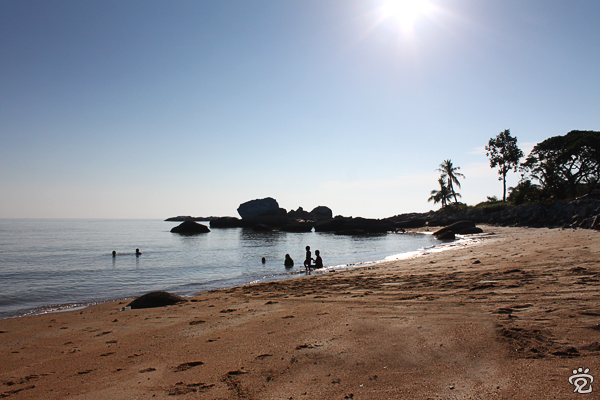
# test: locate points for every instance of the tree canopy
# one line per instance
(566, 166)
(504, 154)
(450, 174)
(443, 195)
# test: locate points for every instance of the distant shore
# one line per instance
(509, 317)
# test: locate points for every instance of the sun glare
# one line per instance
(404, 12)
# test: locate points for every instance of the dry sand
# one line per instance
(509, 317)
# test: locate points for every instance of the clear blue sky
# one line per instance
(149, 109)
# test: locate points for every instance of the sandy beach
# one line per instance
(509, 316)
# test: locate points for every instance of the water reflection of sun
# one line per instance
(404, 13)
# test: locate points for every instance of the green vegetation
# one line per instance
(505, 155)
(562, 167)
(450, 174)
(566, 166)
(443, 195)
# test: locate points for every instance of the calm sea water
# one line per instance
(49, 264)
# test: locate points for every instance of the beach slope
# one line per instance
(510, 315)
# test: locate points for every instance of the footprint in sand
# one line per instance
(187, 365)
(181, 388)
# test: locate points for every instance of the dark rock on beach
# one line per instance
(156, 299)
(190, 228)
(471, 231)
(447, 235)
(455, 228)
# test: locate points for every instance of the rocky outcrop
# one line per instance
(262, 211)
(190, 228)
(300, 214)
(321, 213)
(583, 213)
(353, 226)
(261, 228)
(255, 208)
(298, 227)
(187, 218)
(156, 299)
(226, 222)
(455, 228)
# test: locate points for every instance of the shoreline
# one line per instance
(442, 246)
(510, 318)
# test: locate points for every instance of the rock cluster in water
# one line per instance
(190, 228)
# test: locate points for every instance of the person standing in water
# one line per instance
(308, 259)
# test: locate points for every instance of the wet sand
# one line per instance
(508, 317)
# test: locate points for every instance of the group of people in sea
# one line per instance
(137, 253)
(288, 262)
(308, 261)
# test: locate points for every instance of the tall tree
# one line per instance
(567, 165)
(504, 154)
(442, 195)
(450, 174)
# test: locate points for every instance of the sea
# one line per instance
(49, 265)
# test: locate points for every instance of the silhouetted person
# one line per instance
(318, 260)
(137, 252)
(289, 263)
(264, 260)
(114, 254)
(308, 259)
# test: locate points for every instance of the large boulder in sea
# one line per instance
(262, 211)
(322, 213)
(226, 222)
(254, 208)
(156, 299)
(190, 228)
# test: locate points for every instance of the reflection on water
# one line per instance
(54, 262)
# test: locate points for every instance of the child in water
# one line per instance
(289, 263)
(308, 259)
(318, 260)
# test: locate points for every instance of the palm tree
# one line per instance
(442, 195)
(451, 174)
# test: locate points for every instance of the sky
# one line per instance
(152, 109)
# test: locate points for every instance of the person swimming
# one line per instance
(289, 263)
(137, 252)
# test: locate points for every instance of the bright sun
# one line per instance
(404, 12)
